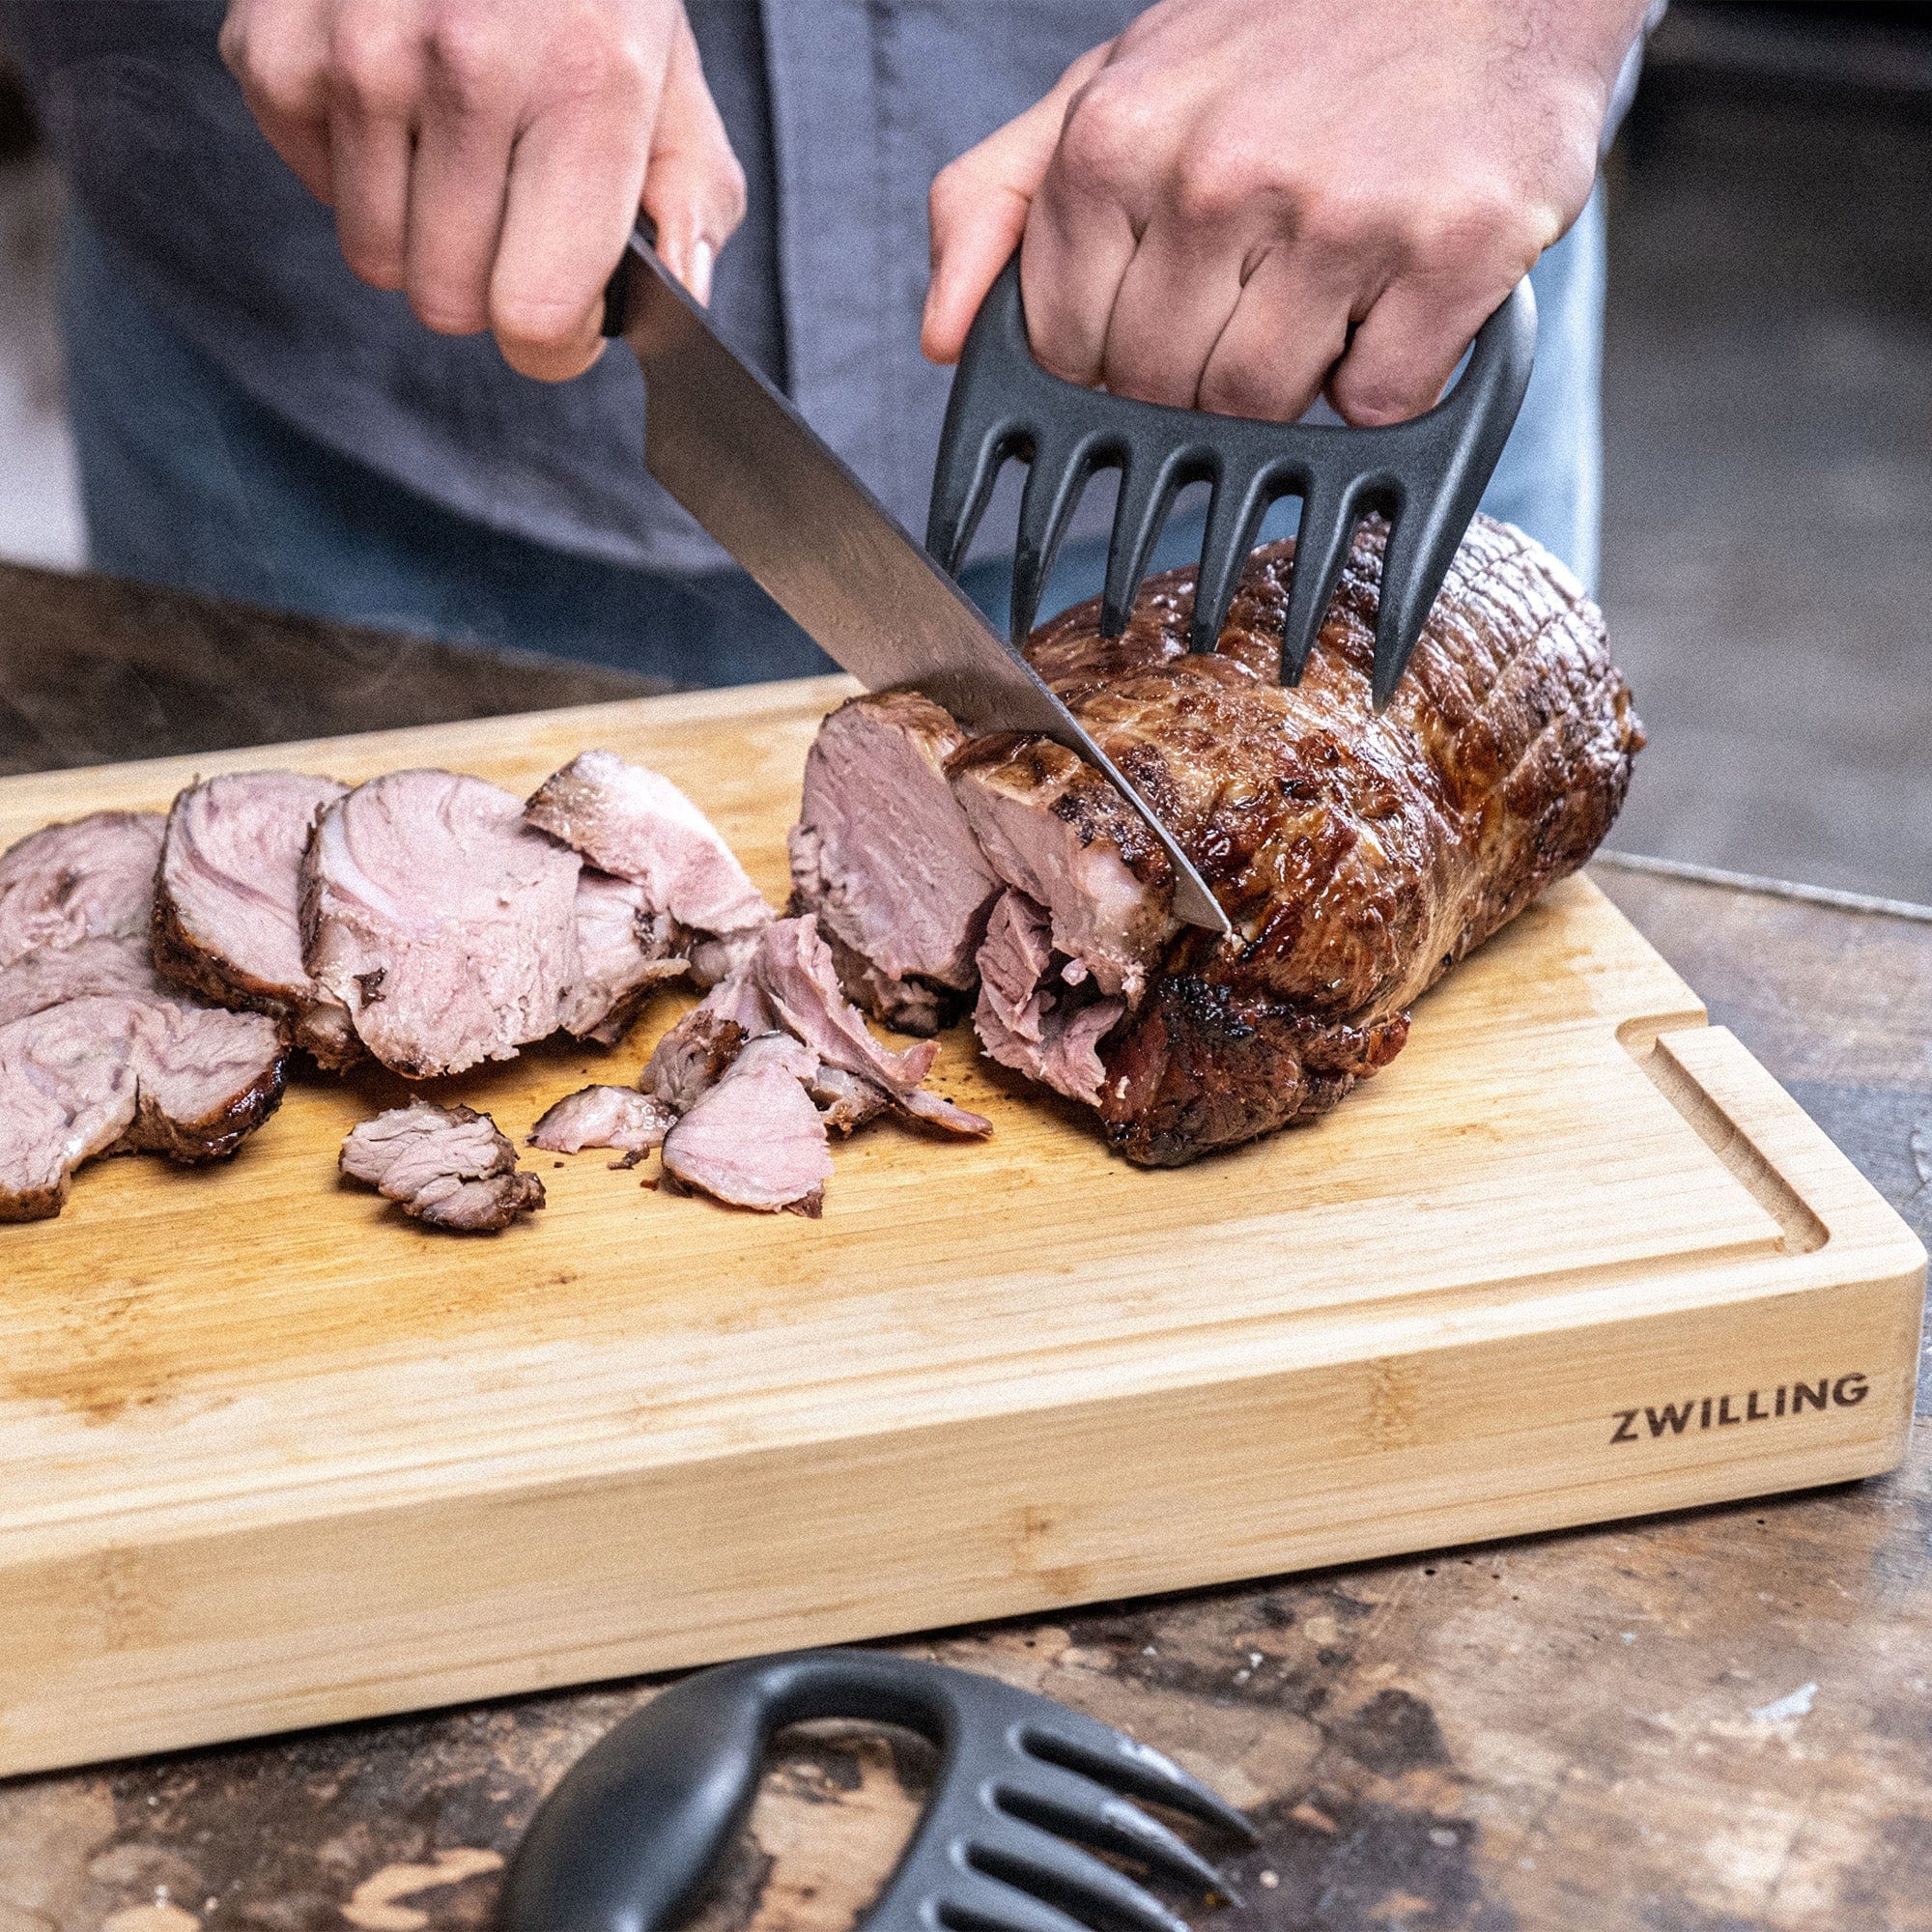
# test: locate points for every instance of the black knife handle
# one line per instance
(616, 291)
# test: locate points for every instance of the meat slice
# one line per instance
(50, 974)
(785, 1007)
(793, 968)
(1052, 826)
(624, 952)
(603, 1117)
(630, 821)
(753, 1140)
(883, 857)
(1359, 853)
(103, 1073)
(89, 878)
(442, 922)
(846, 1102)
(448, 1167)
(1030, 1016)
(227, 903)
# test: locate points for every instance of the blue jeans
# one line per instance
(188, 480)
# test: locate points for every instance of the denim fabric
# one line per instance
(843, 110)
(188, 480)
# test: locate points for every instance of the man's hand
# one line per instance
(489, 157)
(1238, 204)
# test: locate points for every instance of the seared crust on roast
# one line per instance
(1360, 854)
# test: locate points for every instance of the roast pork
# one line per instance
(443, 922)
(603, 1117)
(227, 903)
(634, 824)
(448, 1167)
(1359, 853)
(89, 878)
(106, 1073)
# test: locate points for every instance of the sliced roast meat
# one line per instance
(696, 1050)
(846, 1102)
(782, 1050)
(884, 858)
(753, 1140)
(785, 1013)
(227, 903)
(1053, 827)
(634, 822)
(441, 919)
(793, 968)
(603, 1117)
(49, 975)
(104, 1074)
(448, 1167)
(89, 878)
(935, 1110)
(624, 950)
(1030, 1016)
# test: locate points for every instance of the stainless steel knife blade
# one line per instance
(756, 475)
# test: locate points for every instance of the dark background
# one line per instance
(1768, 418)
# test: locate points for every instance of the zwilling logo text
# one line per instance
(1722, 1411)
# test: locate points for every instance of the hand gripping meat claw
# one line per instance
(629, 1838)
(1426, 477)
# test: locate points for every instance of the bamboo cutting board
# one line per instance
(272, 1455)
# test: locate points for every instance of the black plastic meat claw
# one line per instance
(626, 1842)
(1426, 477)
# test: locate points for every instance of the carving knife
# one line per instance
(757, 477)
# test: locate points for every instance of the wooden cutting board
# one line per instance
(272, 1455)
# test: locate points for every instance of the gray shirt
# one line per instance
(841, 111)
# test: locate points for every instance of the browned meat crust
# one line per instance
(1359, 853)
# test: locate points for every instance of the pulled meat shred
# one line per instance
(447, 1167)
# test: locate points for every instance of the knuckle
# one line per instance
(1372, 399)
(445, 312)
(1243, 386)
(368, 64)
(588, 62)
(534, 324)
(1337, 225)
(1108, 137)
(1220, 182)
(470, 66)
(1468, 220)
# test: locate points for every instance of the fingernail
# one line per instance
(698, 281)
